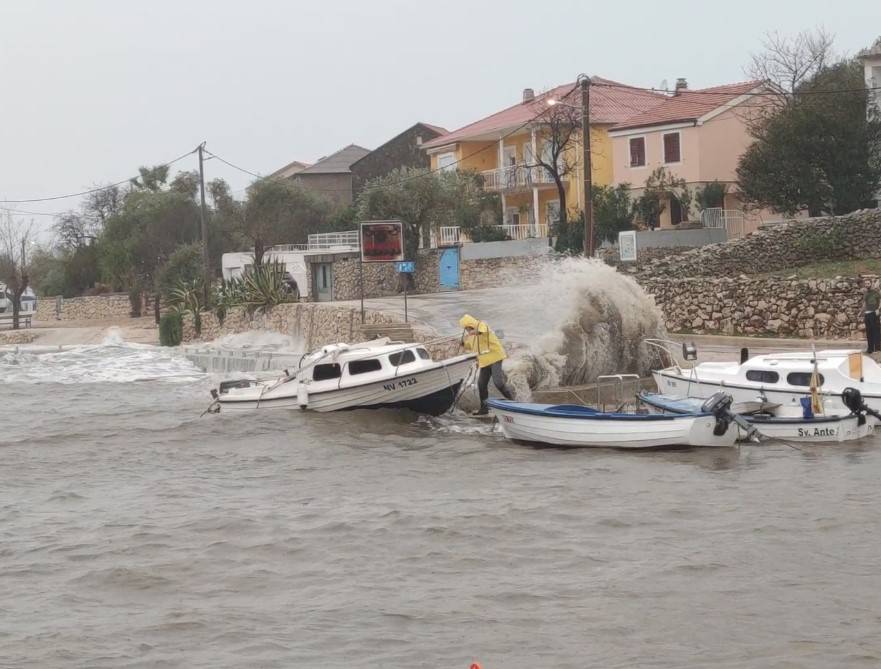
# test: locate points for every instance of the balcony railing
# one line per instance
(324, 241)
(516, 177)
(451, 235)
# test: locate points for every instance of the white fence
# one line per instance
(324, 240)
(516, 176)
(731, 220)
(453, 234)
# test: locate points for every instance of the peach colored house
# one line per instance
(698, 135)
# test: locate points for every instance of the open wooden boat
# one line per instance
(581, 426)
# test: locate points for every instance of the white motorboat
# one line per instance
(774, 421)
(370, 375)
(576, 425)
(777, 378)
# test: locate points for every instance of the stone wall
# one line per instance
(495, 272)
(315, 324)
(609, 255)
(829, 308)
(787, 245)
(92, 308)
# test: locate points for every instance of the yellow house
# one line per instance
(502, 147)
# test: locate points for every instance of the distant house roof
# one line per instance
(689, 105)
(339, 162)
(289, 170)
(433, 128)
(868, 52)
(610, 102)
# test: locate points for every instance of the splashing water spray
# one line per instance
(593, 320)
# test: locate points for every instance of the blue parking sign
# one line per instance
(405, 267)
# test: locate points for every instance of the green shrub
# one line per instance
(171, 329)
(487, 233)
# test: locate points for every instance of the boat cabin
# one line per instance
(359, 365)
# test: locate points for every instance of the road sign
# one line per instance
(382, 241)
(627, 245)
(405, 267)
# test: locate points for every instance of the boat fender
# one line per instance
(302, 395)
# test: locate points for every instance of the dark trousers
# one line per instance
(500, 380)
(873, 332)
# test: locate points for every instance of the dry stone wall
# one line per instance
(787, 245)
(314, 324)
(91, 308)
(828, 308)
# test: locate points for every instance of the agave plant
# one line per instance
(264, 287)
(230, 293)
(186, 299)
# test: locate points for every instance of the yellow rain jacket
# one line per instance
(484, 343)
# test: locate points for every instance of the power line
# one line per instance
(95, 190)
(423, 174)
(751, 93)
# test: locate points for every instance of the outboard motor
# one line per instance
(719, 404)
(853, 400)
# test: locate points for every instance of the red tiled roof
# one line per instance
(688, 105)
(610, 102)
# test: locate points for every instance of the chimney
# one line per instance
(528, 95)
(681, 85)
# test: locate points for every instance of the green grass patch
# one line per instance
(831, 269)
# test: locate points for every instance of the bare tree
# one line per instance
(787, 62)
(14, 270)
(557, 132)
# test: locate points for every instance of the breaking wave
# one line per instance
(596, 320)
(111, 361)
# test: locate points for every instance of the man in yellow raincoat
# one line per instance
(478, 338)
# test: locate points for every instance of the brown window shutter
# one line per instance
(637, 152)
(671, 148)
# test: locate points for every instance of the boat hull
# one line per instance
(819, 429)
(635, 432)
(432, 391)
(670, 383)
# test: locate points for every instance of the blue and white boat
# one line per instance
(575, 425)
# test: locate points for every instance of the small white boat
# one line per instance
(576, 425)
(370, 375)
(778, 378)
(774, 421)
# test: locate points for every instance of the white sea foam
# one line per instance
(111, 361)
(258, 340)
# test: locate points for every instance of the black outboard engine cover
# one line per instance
(717, 404)
(853, 399)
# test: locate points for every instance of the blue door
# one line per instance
(449, 269)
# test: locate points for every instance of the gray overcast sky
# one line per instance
(92, 89)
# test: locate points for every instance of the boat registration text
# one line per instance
(403, 383)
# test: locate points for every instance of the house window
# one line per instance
(512, 216)
(671, 148)
(446, 161)
(637, 152)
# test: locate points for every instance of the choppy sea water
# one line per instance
(134, 533)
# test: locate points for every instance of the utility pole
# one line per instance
(206, 263)
(585, 142)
